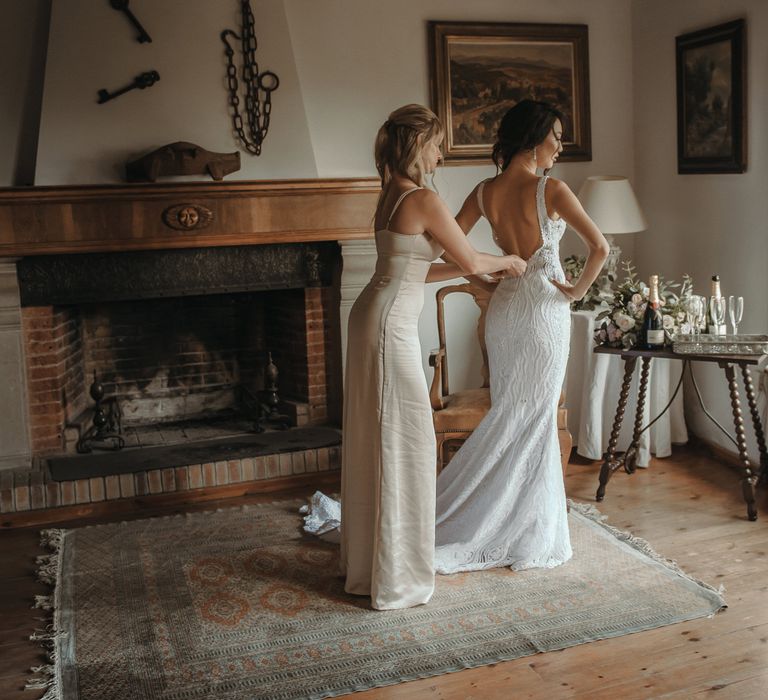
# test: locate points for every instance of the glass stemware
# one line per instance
(717, 310)
(735, 311)
(696, 313)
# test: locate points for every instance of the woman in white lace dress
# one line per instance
(501, 499)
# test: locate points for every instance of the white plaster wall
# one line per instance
(344, 65)
(92, 46)
(702, 224)
(357, 61)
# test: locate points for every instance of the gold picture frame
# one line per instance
(478, 70)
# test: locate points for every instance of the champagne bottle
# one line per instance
(652, 330)
(712, 325)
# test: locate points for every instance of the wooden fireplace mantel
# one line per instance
(83, 219)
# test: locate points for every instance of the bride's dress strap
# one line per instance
(397, 203)
(480, 189)
(541, 205)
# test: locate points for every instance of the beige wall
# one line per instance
(92, 46)
(344, 64)
(701, 224)
(359, 60)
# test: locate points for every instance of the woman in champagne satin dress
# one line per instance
(388, 458)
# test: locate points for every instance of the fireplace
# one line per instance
(179, 337)
(177, 318)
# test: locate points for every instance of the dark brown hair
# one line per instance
(522, 128)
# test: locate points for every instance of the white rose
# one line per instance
(681, 316)
(686, 329)
(667, 321)
(637, 299)
(624, 322)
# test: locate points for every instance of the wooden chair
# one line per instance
(457, 414)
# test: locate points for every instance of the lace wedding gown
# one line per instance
(501, 499)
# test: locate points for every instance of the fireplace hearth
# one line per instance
(177, 323)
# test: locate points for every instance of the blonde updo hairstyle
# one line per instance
(400, 143)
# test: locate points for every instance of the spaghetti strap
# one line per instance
(541, 205)
(397, 203)
(480, 189)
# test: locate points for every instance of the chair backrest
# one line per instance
(481, 298)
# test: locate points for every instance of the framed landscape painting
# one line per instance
(711, 100)
(479, 70)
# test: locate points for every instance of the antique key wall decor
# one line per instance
(140, 82)
(122, 6)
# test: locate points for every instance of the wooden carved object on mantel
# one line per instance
(181, 158)
(185, 217)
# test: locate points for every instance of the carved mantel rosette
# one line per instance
(187, 217)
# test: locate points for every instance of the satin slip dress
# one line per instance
(388, 453)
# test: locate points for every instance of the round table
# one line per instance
(592, 388)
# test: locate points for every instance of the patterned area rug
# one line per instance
(240, 604)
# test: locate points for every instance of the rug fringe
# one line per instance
(48, 677)
(641, 545)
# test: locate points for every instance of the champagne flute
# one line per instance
(717, 311)
(735, 311)
(695, 312)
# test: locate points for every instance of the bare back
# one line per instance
(509, 203)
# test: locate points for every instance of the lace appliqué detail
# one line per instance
(501, 499)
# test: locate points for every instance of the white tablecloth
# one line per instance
(593, 383)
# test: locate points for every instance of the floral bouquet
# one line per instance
(618, 326)
(573, 266)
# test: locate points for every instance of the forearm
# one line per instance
(438, 272)
(592, 268)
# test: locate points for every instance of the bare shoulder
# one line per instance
(558, 191)
(428, 200)
(555, 186)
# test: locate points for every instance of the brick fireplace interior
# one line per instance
(180, 364)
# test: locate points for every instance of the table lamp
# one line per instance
(611, 204)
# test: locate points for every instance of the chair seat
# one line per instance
(463, 411)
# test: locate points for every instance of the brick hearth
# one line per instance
(23, 490)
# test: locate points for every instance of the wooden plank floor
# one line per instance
(688, 506)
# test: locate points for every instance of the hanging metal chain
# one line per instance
(256, 83)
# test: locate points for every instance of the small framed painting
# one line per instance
(479, 70)
(712, 100)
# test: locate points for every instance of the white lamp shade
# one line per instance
(611, 204)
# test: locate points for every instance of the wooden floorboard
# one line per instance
(688, 506)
